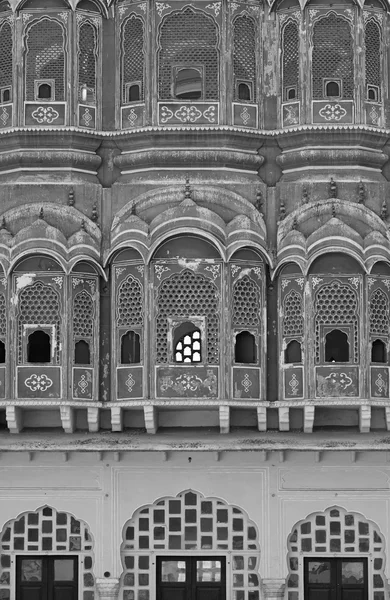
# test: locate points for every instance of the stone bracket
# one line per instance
(93, 419)
(14, 418)
(365, 419)
(224, 419)
(116, 418)
(308, 418)
(284, 418)
(67, 418)
(151, 419)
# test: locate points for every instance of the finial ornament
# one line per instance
(187, 192)
(3, 224)
(333, 210)
(95, 214)
(259, 200)
(133, 208)
(71, 197)
(295, 223)
(282, 211)
(41, 216)
(82, 227)
(362, 193)
(305, 195)
(384, 212)
(332, 188)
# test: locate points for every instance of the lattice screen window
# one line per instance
(129, 320)
(39, 304)
(46, 530)
(292, 314)
(83, 318)
(186, 524)
(332, 56)
(133, 56)
(6, 53)
(182, 295)
(290, 60)
(373, 47)
(244, 54)
(336, 304)
(335, 532)
(246, 303)
(189, 38)
(3, 328)
(45, 56)
(87, 62)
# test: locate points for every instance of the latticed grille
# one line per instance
(332, 55)
(336, 532)
(292, 314)
(45, 56)
(336, 304)
(379, 313)
(46, 530)
(87, 57)
(372, 37)
(39, 304)
(244, 51)
(186, 524)
(130, 308)
(246, 303)
(290, 56)
(183, 295)
(188, 38)
(133, 54)
(5, 55)
(83, 313)
(3, 318)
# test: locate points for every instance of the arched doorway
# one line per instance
(204, 539)
(46, 552)
(334, 550)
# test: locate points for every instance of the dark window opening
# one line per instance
(342, 578)
(6, 95)
(244, 92)
(293, 352)
(188, 84)
(291, 93)
(134, 93)
(2, 352)
(378, 352)
(332, 89)
(82, 354)
(245, 348)
(336, 346)
(39, 347)
(187, 344)
(44, 91)
(130, 348)
(372, 93)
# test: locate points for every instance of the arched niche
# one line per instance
(381, 268)
(47, 531)
(335, 263)
(89, 6)
(291, 269)
(84, 267)
(336, 533)
(127, 254)
(37, 263)
(187, 524)
(186, 247)
(29, 4)
(246, 254)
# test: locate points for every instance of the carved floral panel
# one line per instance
(52, 114)
(245, 115)
(129, 382)
(337, 382)
(87, 116)
(187, 382)
(132, 116)
(39, 381)
(333, 112)
(82, 383)
(379, 382)
(6, 116)
(193, 113)
(246, 382)
(293, 383)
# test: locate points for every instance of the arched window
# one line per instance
(245, 348)
(332, 57)
(336, 346)
(332, 89)
(130, 348)
(39, 347)
(373, 47)
(87, 62)
(378, 352)
(82, 354)
(181, 49)
(133, 59)
(45, 58)
(188, 84)
(290, 61)
(6, 62)
(244, 58)
(293, 352)
(3, 327)
(187, 343)
(2, 352)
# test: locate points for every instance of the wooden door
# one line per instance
(47, 578)
(191, 578)
(336, 579)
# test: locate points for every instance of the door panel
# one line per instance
(64, 594)
(47, 578)
(353, 595)
(205, 593)
(31, 594)
(336, 579)
(321, 595)
(191, 578)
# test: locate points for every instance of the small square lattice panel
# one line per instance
(373, 114)
(87, 116)
(129, 382)
(379, 377)
(6, 116)
(132, 116)
(293, 383)
(245, 115)
(82, 383)
(291, 114)
(246, 382)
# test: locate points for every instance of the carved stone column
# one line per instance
(108, 589)
(274, 589)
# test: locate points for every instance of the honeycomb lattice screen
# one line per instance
(45, 56)
(133, 54)
(372, 38)
(6, 52)
(83, 318)
(130, 305)
(189, 38)
(43, 531)
(246, 303)
(3, 318)
(292, 314)
(332, 533)
(337, 304)
(244, 52)
(379, 313)
(332, 55)
(87, 57)
(190, 523)
(188, 294)
(39, 303)
(290, 56)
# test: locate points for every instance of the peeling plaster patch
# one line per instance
(189, 264)
(24, 280)
(105, 366)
